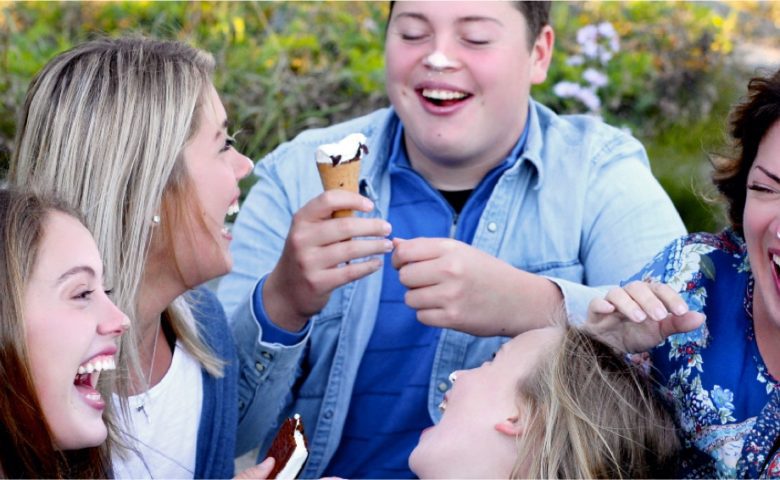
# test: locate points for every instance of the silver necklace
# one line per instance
(141, 408)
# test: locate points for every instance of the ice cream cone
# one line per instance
(343, 176)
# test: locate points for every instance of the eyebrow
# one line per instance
(74, 271)
(468, 19)
(769, 174)
(223, 128)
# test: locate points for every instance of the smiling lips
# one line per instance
(442, 97)
(87, 378)
(231, 211)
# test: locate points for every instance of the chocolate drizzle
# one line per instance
(362, 150)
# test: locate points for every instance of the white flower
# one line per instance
(590, 49)
(588, 97)
(566, 89)
(606, 30)
(614, 44)
(604, 56)
(587, 34)
(595, 78)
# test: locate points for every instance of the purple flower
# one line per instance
(575, 60)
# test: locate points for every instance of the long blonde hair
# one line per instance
(103, 127)
(590, 414)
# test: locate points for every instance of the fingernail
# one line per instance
(388, 246)
(660, 313)
(680, 309)
(368, 204)
(639, 315)
(387, 228)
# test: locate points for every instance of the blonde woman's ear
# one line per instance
(512, 427)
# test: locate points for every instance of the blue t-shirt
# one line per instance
(388, 409)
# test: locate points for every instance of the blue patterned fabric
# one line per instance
(727, 405)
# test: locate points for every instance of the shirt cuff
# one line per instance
(270, 332)
(577, 297)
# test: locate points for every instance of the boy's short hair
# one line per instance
(536, 13)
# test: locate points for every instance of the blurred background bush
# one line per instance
(668, 72)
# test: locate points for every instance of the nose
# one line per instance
(438, 61)
(113, 321)
(242, 165)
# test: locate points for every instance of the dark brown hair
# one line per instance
(536, 13)
(28, 449)
(749, 122)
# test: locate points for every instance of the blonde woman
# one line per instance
(553, 403)
(132, 133)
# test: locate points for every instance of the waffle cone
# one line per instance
(343, 176)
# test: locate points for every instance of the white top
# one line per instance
(164, 424)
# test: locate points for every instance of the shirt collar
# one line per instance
(399, 159)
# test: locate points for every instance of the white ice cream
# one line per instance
(439, 61)
(348, 148)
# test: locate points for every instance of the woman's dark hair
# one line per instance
(28, 449)
(749, 122)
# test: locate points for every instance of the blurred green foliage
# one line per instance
(287, 66)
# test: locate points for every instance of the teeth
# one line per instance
(97, 365)
(442, 94)
(776, 259)
(233, 209)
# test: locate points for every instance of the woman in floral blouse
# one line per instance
(721, 374)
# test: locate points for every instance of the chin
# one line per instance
(89, 436)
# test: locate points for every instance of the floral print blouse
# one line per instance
(726, 403)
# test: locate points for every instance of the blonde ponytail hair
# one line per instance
(103, 127)
(590, 414)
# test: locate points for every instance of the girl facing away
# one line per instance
(58, 335)
(553, 403)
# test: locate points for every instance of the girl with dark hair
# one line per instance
(58, 336)
(723, 374)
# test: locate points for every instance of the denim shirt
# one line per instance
(581, 207)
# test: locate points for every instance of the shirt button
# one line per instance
(328, 414)
(267, 355)
(443, 386)
(492, 227)
(259, 366)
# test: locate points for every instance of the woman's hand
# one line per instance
(259, 471)
(640, 315)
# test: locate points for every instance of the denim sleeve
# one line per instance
(266, 370)
(272, 333)
(629, 218)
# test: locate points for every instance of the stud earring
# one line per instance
(156, 219)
